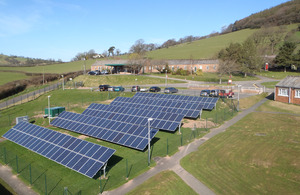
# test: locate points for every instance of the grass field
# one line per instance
(277, 75)
(117, 80)
(274, 106)
(58, 176)
(270, 85)
(257, 155)
(202, 49)
(11, 76)
(166, 182)
(246, 103)
(56, 68)
(212, 77)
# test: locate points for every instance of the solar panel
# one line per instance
(208, 102)
(81, 156)
(161, 120)
(122, 133)
(191, 110)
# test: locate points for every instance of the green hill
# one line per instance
(201, 49)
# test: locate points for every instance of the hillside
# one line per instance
(201, 49)
(283, 14)
(17, 61)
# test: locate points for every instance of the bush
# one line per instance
(199, 72)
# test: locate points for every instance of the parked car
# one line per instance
(104, 72)
(214, 93)
(91, 73)
(154, 89)
(205, 93)
(135, 88)
(171, 90)
(110, 88)
(103, 87)
(226, 93)
(97, 72)
(144, 89)
(119, 88)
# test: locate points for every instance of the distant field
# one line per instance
(6, 77)
(56, 68)
(257, 155)
(202, 49)
(166, 182)
(117, 80)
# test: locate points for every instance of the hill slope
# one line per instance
(201, 49)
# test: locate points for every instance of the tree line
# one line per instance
(14, 60)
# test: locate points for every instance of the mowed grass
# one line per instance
(212, 77)
(55, 68)
(58, 176)
(274, 106)
(257, 155)
(201, 49)
(166, 182)
(247, 102)
(6, 77)
(270, 84)
(117, 80)
(277, 75)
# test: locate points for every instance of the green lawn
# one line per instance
(257, 155)
(277, 75)
(212, 77)
(115, 80)
(166, 182)
(201, 49)
(274, 106)
(56, 68)
(270, 84)
(7, 77)
(247, 102)
(58, 176)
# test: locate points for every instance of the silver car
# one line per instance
(171, 90)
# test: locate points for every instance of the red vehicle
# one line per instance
(226, 93)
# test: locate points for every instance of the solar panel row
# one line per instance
(208, 102)
(79, 155)
(191, 110)
(130, 135)
(161, 120)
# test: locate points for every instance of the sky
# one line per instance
(60, 29)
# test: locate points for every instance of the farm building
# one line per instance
(148, 66)
(288, 90)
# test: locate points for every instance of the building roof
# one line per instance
(115, 64)
(290, 81)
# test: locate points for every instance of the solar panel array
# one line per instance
(79, 155)
(208, 102)
(122, 133)
(191, 110)
(161, 120)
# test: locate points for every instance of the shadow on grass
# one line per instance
(39, 176)
(55, 186)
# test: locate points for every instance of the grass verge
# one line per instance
(246, 103)
(274, 106)
(270, 84)
(257, 155)
(166, 182)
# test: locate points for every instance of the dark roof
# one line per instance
(115, 64)
(290, 81)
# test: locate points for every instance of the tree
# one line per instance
(111, 50)
(285, 56)
(297, 59)
(138, 47)
(118, 52)
(228, 67)
(249, 60)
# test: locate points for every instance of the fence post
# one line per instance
(5, 159)
(100, 183)
(65, 190)
(45, 184)
(216, 117)
(224, 115)
(30, 178)
(9, 122)
(17, 163)
(126, 169)
(167, 146)
(181, 139)
(206, 124)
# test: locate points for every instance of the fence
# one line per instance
(29, 96)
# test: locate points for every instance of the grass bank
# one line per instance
(257, 155)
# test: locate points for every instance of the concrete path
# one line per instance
(173, 162)
(14, 182)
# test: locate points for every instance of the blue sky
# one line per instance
(59, 29)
